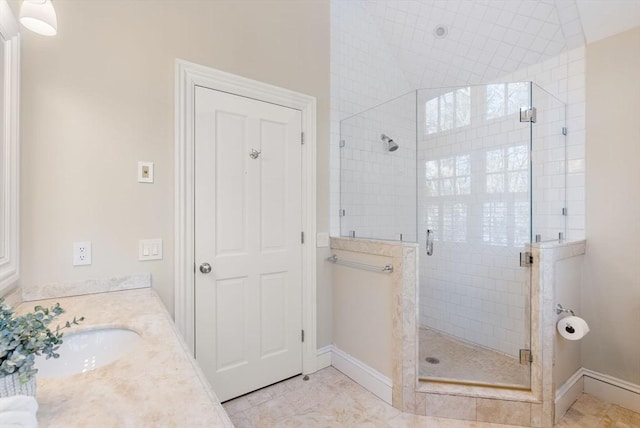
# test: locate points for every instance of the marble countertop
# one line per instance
(157, 384)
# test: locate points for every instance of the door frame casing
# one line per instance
(188, 76)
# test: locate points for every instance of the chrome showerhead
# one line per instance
(391, 145)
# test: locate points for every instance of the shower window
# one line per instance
(506, 212)
(449, 176)
(444, 179)
(506, 98)
(454, 221)
(508, 170)
(495, 221)
(448, 111)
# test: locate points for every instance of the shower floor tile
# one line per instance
(459, 361)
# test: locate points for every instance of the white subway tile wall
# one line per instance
(378, 186)
(564, 77)
(384, 49)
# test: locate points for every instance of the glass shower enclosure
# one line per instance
(473, 174)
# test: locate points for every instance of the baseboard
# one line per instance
(568, 393)
(324, 356)
(624, 394)
(608, 388)
(369, 378)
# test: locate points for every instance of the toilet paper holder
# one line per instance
(571, 327)
(560, 309)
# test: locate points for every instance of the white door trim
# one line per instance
(188, 76)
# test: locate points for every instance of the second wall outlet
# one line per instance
(81, 253)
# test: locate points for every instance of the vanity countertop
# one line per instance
(158, 384)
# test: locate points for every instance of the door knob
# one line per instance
(205, 268)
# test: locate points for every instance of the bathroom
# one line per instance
(99, 97)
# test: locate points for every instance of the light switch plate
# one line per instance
(145, 172)
(150, 249)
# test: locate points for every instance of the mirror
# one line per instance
(9, 151)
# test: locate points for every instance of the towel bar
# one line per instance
(386, 269)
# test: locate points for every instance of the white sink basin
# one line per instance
(87, 350)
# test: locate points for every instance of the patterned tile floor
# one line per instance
(330, 399)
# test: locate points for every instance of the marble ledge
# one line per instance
(157, 384)
(371, 246)
(556, 245)
(90, 286)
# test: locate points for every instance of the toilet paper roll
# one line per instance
(573, 328)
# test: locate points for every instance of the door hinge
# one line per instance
(302, 237)
(194, 267)
(302, 335)
(342, 143)
(526, 259)
(528, 115)
(525, 356)
(343, 213)
(302, 137)
(564, 211)
(564, 130)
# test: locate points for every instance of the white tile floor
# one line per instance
(330, 399)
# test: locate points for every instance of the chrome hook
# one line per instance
(255, 153)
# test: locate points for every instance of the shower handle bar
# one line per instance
(429, 243)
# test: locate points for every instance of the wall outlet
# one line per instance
(145, 172)
(81, 253)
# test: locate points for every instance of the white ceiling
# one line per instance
(490, 38)
(604, 18)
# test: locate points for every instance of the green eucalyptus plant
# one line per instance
(22, 337)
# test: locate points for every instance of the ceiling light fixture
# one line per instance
(39, 16)
(441, 31)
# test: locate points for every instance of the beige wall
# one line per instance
(99, 97)
(363, 311)
(567, 281)
(611, 292)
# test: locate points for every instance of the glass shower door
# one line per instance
(474, 199)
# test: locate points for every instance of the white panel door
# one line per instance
(248, 223)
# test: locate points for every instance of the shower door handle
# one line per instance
(429, 244)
